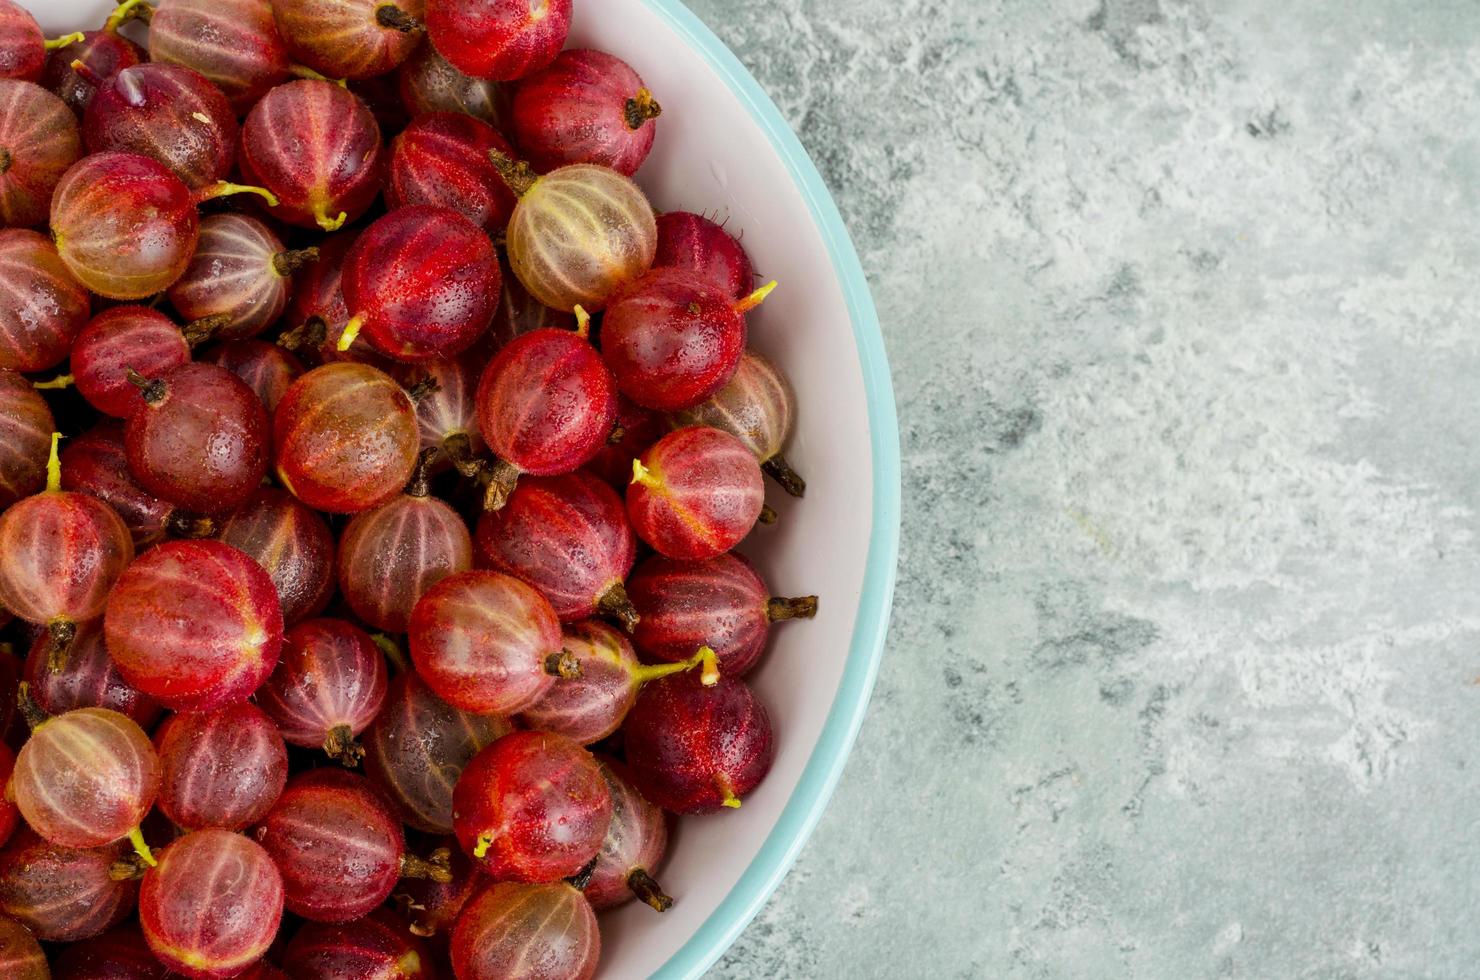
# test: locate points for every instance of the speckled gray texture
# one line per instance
(1182, 303)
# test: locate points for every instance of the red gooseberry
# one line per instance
(96, 463)
(196, 625)
(200, 440)
(695, 493)
(234, 43)
(118, 954)
(211, 906)
(378, 946)
(578, 234)
(267, 369)
(533, 806)
(567, 536)
(90, 680)
(672, 338)
(21, 956)
(99, 56)
(546, 406)
(693, 243)
(447, 409)
(422, 283)
(126, 226)
(222, 768)
(418, 747)
(291, 543)
(63, 894)
(38, 142)
(635, 845)
(498, 39)
(317, 148)
(590, 707)
(346, 438)
(431, 907)
(756, 407)
(327, 688)
(63, 553)
(22, 45)
(350, 38)
(487, 643)
(526, 932)
(42, 307)
(240, 271)
(125, 338)
(442, 160)
(721, 603)
(586, 107)
(390, 556)
(26, 425)
(696, 744)
(429, 83)
(637, 429)
(86, 778)
(339, 847)
(169, 113)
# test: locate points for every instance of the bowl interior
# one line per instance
(713, 155)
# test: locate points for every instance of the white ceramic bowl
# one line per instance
(723, 146)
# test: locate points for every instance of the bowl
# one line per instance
(724, 147)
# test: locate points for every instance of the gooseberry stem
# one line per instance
(303, 71)
(197, 332)
(54, 465)
(437, 866)
(351, 331)
(322, 217)
(56, 384)
(502, 478)
(563, 664)
(482, 846)
(311, 333)
(800, 607)
(289, 262)
(705, 658)
(768, 515)
(518, 174)
(341, 746)
(392, 652)
(583, 322)
(29, 709)
(615, 603)
(581, 880)
(389, 15)
(641, 474)
(756, 298)
(426, 386)
(141, 847)
(66, 40)
(459, 448)
(191, 526)
(86, 74)
(60, 634)
(644, 887)
(640, 108)
(730, 799)
(153, 391)
(127, 11)
(780, 471)
(421, 480)
(225, 188)
(5, 160)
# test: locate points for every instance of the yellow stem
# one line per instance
(351, 331)
(583, 321)
(125, 12)
(709, 673)
(54, 465)
(56, 384)
(731, 800)
(141, 847)
(64, 41)
(756, 298)
(484, 843)
(641, 474)
(224, 188)
(327, 223)
(651, 672)
(303, 71)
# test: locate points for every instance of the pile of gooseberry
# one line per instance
(373, 459)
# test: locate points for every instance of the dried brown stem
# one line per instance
(60, 634)
(645, 888)
(615, 603)
(190, 525)
(287, 263)
(563, 664)
(340, 745)
(801, 607)
(780, 471)
(437, 866)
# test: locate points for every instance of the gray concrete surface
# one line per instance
(1181, 301)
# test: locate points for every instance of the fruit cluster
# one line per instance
(380, 604)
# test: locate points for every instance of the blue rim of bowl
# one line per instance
(820, 778)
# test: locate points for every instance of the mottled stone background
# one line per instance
(1181, 301)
